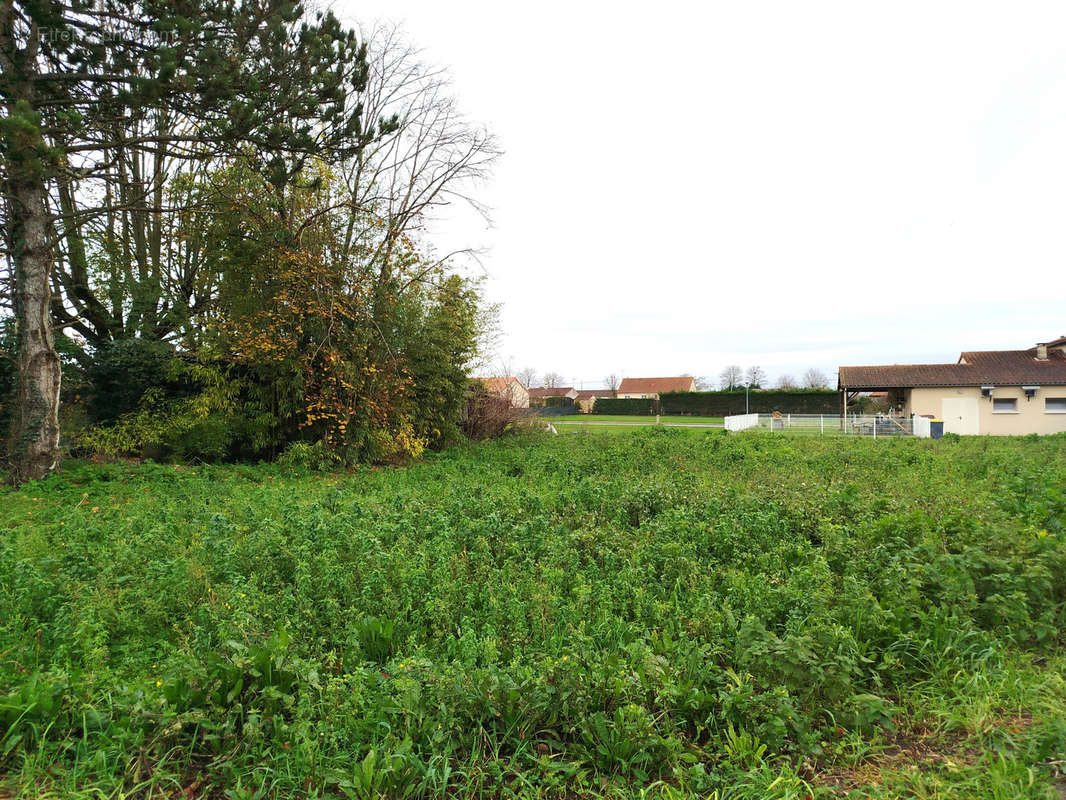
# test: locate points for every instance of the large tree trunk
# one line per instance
(33, 443)
(33, 440)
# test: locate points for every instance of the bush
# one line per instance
(309, 456)
(212, 418)
(488, 416)
(122, 373)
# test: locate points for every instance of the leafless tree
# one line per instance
(504, 366)
(703, 383)
(731, 377)
(528, 376)
(755, 377)
(432, 157)
(786, 382)
(553, 380)
(612, 382)
(814, 378)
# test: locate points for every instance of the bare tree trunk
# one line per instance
(33, 444)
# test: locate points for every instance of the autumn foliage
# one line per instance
(355, 340)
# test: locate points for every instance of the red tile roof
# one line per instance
(589, 394)
(655, 385)
(550, 391)
(975, 368)
(499, 384)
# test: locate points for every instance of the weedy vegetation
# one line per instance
(651, 614)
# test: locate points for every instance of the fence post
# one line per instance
(821, 424)
(875, 427)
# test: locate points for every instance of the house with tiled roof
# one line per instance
(586, 398)
(995, 392)
(507, 386)
(540, 395)
(652, 387)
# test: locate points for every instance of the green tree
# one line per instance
(85, 83)
(441, 348)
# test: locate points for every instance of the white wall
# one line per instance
(739, 422)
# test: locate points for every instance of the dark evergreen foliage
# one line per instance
(762, 401)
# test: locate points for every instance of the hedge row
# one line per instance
(624, 405)
(720, 404)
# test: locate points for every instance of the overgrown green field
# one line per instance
(655, 614)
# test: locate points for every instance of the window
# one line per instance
(1055, 405)
(1004, 405)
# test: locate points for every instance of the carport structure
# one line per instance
(896, 380)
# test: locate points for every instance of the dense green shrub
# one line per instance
(443, 326)
(120, 375)
(201, 412)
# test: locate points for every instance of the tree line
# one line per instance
(732, 377)
(736, 377)
(214, 223)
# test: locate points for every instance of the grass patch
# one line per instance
(661, 612)
(644, 420)
(595, 429)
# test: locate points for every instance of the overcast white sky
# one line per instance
(786, 184)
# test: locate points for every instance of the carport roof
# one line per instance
(975, 368)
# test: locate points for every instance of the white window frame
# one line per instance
(1055, 410)
(1012, 410)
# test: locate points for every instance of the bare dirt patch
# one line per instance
(922, 749)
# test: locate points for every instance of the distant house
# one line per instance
(586, 398)
(507, 386)
(652, 387)
(540, 395)
(996, 392)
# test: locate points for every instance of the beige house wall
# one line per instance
(1030, 417)
(518, 395)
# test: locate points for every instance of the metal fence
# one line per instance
(872, 425)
